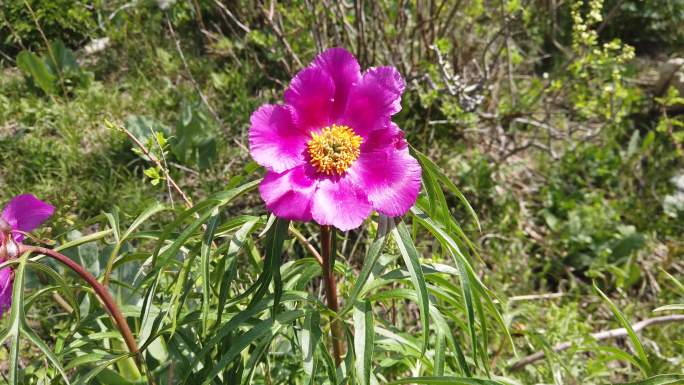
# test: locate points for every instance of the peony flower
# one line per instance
(22, 214)
(331, 151)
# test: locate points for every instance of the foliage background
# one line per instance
(542, 113)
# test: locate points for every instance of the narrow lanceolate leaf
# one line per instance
(445, 381)
(85, 239)
(371, 259)
(663, 379)
(90, 376)
(641, 352)
(466, 289)
(310, 337)
(428, 164)
(266, 327)
(411, 258)
(205, 254)
(14, 323)
(255, 357)
(363, 341)
(439, 353)
(228, 275)
(18, 327)
(450, 244)
(346, 369)
(678, 285)
(674, 306)
(37, 342)
(274, 249)
(148, 212)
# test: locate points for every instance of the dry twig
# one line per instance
(613, 333)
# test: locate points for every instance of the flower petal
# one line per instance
(340, 203)
(311, 94)
(374, 100)
(288, 195)
(5, 289)
(274, 141)
(387, 173)
(345, 72)
(25, 213)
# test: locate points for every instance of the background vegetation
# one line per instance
(544, 114)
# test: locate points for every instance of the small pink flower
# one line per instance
(22, 214)
(331, 152)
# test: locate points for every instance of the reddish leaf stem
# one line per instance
(331, 291)
(99, 289)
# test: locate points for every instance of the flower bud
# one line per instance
(8, 246)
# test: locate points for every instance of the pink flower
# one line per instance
(331, 152)
(23, 214)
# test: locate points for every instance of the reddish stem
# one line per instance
(331, 292)
(99, 289)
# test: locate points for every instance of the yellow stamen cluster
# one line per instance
(334, 149)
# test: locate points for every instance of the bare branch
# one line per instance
(613, 333)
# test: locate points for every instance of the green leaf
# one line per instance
(467, 292)
(450, 244)
(145, 215)
(411, 258)
(37, 342)
(36, 70)
(110, 377)
(144, 128)
(207, 154)
(675, 282)
(310, 337)
(255, 357)
(674, 306)
(235, 246)
(62, 285)
(19, 326)
(153, 174)
(439, 353)
(426, 162)
(233, 326)
(274, 248)
(371, 259)
(14, 323)
(205, 254)
(94, 372)
(61, 59)
(259, 330)
(641, 352)
(363, 341)
(83, 240)
(159, 261)
(444, 381)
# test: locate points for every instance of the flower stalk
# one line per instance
(328, 262)
(99, 289)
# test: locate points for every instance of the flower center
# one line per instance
(334, 149)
